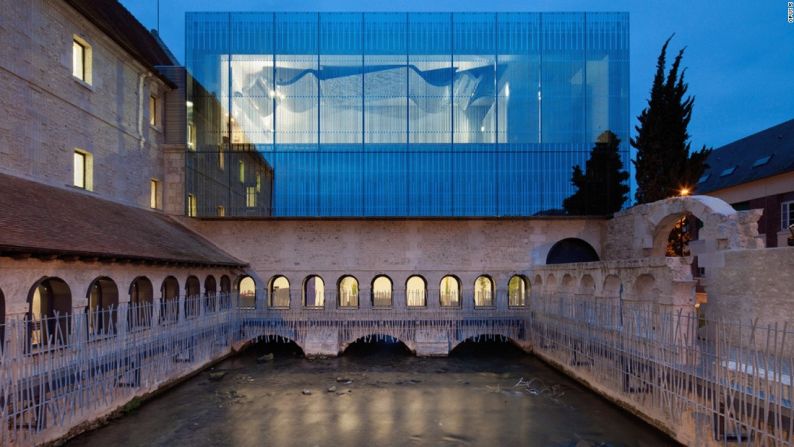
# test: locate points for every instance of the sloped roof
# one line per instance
(40, 219)
(122, 27)
(745, 160)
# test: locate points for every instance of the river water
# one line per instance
(378, 395)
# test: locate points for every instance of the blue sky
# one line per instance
(739, 57)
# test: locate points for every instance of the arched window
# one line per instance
(314, 292)
(103, 303)
(279, 292)
(348, 292)
(169, 300)
(483, 291)
(517, 291)
(449, 291)
(416, 291)
(140, 311)
(381, 291)
(192, 296)
(49, 315)
(210, 294)
(225, 300)
(246, 290)
(571, 250)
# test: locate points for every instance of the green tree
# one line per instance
(601, 188)
(664, 164)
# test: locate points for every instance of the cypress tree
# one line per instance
(664, 164)
(601, 188)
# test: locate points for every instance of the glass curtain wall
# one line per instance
(400, 114)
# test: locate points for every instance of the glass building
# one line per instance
(400, 114)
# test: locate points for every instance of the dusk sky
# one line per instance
(739, 57)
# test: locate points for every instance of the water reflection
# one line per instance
(377, 394)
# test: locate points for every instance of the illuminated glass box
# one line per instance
(402, 114)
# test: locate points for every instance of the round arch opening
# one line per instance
(571, 250)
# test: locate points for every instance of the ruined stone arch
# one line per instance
(379, 335)
(567, 285)
(551, 284)
(489, 336)
(645, 287)
(192, 296)
(210, 293)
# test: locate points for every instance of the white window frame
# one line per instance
(786, 210)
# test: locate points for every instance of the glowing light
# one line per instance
(271, 93)
(189, 103)
(684, 192)
(507, 90)
(482, 128)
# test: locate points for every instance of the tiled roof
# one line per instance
(763, 154)
(45, 220)
(122, 27)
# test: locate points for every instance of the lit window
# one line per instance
(250, 197)
(279, 292)
(786, 215)
(483, 292)
(348, 292)
(221, 211)
(517, 291)
(314, 292)
(83, 171)
(242, 171)
(381, 291)
(191, 136)
(449, 292)
(153, 110)
(258, 182)
(153, 191)
(221, 160)
(81, 60)
(415, 291)
(192, 206)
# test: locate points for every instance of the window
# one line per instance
(221, 160)
(247, 293)
(348, 292)
(83, 171)
(415, 291)
(449, 292)
(153, 111)
(153, 193)
(727, 171)
(314, 292)
(258, 182)
(483, 292)
(192, 206)
(250, 197)
(242, 171)
(786, 215)
(517, 291)
(762, 161)
(279, 292)
(381, 291)
(221, 211)
(191, 136)
(81, 60)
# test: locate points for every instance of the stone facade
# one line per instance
(48, 113)
(367, 248)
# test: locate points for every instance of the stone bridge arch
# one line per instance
(512, 338)
(380, 335)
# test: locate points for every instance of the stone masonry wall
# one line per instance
(397, 248)
(47, 113)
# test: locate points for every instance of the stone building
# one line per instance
(757, 172)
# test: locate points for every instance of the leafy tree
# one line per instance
(664, 164)
(601, 188)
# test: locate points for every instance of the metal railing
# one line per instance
(709, 382)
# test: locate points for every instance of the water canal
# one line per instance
(484, 394)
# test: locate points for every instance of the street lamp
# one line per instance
(683, 192)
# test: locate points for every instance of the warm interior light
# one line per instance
(684, 192)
